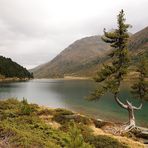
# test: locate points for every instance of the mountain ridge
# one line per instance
(83, 57)
(74, 57)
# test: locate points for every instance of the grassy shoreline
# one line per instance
(30, 125)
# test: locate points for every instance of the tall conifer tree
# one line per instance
(140, 88)
(111, 75)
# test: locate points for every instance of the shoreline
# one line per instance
(41, 121)
(14, 79)
(66, 78)
(77, 78)
(111, 128)
(113, 121)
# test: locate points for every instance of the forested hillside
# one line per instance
(8, 68)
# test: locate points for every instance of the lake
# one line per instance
(70, 94)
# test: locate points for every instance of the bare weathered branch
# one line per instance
(137, 108)
(120, 103)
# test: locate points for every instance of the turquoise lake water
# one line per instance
(70, 94)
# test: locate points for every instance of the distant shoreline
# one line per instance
(67, 78)
(76, 78)
(13, 79)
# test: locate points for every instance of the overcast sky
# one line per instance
(32, 32)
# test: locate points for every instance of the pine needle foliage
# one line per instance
(111, 75)
(76, 139)
(140, 88)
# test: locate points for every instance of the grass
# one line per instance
(21, 126)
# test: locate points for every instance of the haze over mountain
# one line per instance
(83, 57)
(33, 32)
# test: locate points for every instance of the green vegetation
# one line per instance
(140, 88)
(76, 139)
(112, 74)
(8, 68)
(84, 57)
(103, 141)
(28, 125)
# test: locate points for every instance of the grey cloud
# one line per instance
(34, 31)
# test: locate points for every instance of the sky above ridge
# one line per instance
(33, 32)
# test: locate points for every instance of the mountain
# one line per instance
(9, 68)
(138, 43)
(77, 59)
(83, 57)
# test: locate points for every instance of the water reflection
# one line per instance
(70, 94)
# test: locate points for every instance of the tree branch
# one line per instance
(137, 108)
(120, 103)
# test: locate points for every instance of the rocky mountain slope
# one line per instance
(138, 44)
(83, 57)
(139, 41)
(78, 56)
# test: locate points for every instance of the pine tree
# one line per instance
(111, 75)
(76, 139)
(140, 88)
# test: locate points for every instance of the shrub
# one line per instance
(103, 141)
(63, 111)
(75, 139)
(83, 120)
(100, 124)
(60, 116)
(64, 116)
(45, 112)
(8, 104)
(25, 108)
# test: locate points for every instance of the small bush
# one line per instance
(63, 111)
(45, 112)
(83, 119)
(64, 116)
(61, 119)
(99, 124)
(76, 139)
(103, 141)
(8, 104)
(25, 108)
(60, 116)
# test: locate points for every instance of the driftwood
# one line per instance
(130, 108)
(141, 133)
(115, 128)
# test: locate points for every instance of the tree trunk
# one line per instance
(131, 123)
(131, 116)
(130, 108)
